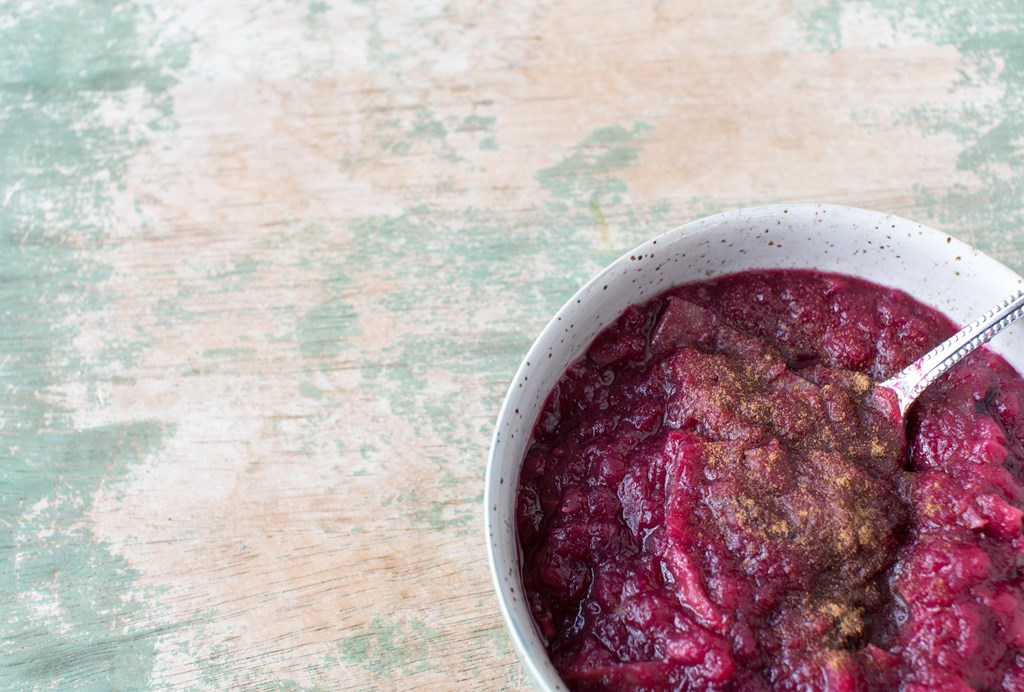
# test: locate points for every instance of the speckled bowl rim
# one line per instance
(959, 279)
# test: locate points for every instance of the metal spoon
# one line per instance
(908, 384)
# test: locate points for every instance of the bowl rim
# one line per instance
(707, 223)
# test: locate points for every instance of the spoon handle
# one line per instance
(915, 378)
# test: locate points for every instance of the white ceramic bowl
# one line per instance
(933, 267)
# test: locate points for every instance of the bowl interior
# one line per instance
(931, 266)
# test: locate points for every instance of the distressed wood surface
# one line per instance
(266, 269)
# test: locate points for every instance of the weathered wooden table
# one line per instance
(267, 267)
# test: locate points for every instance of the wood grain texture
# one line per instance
(266, 269)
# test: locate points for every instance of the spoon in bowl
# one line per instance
(908, 383)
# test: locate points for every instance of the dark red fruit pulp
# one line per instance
(717, 498)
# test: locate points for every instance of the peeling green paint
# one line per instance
(310, 391)
(457, 517)
(387, 647)
(586, 177)
(72, 613)
(479, 122)
(821, 24)
(328, 327)
(983, 206)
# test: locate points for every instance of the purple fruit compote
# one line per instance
(717, 497)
